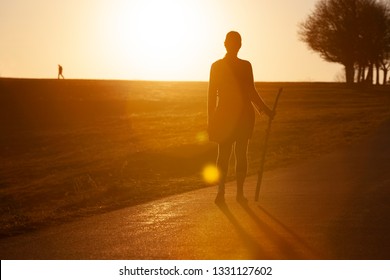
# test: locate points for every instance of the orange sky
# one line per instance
(154, 39)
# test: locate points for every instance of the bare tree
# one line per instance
(373, 36)
(384, 58)
(349, 32)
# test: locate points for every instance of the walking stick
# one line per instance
(262, 160)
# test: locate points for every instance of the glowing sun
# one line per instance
(163, 38)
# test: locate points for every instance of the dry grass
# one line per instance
(75, 148)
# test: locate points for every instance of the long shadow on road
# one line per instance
(265, 237)
(255, 249)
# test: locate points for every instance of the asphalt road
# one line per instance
(333, 207)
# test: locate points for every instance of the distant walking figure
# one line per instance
(60, 72)
(231, 116)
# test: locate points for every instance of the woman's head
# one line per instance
(233, 42)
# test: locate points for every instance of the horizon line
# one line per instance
(168, 81)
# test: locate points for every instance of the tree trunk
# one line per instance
(377, 73)
(359, 74)
(385, 76)
(349, 73)
(363, 74)
(369, 77)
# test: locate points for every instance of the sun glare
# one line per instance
(161, 38)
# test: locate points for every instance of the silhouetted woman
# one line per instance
(60, 69)
(231, 115)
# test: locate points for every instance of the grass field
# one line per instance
(72, 148)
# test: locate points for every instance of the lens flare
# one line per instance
(201, 137)
(210, 174)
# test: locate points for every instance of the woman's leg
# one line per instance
(240, 150)
(224, 151)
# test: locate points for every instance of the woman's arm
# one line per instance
(256, 98)
(260, 104)
(212, 96)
